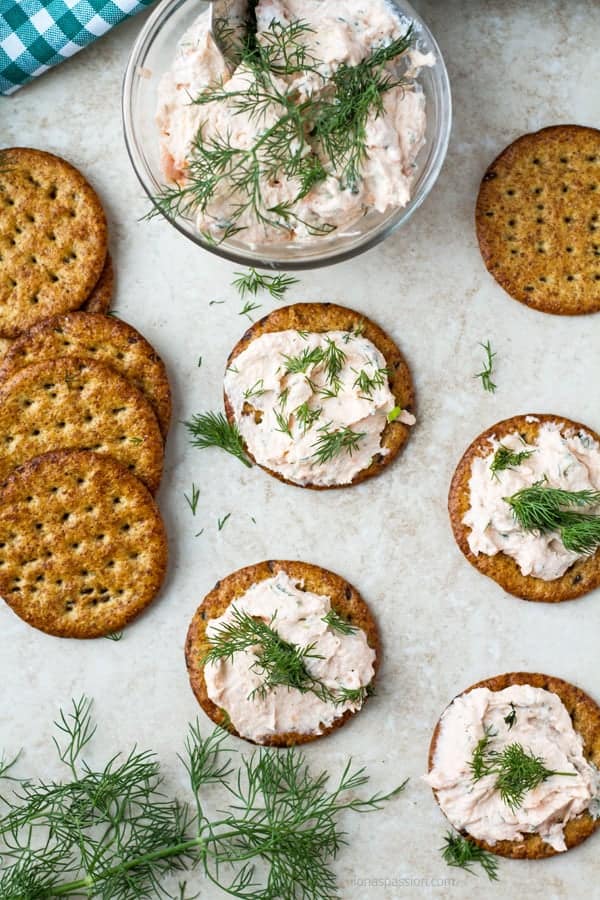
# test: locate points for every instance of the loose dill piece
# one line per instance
(199, 362)
(461, 853)
(307, 416)
(511, 718)
(251, 282)
(221, 522)
(508, 459)
(338, 623)
(541, 508)
(193, 498)
(517, 770)
(213, 430)
(331, 443)
(247, 308)
(303, 142)
(115, 636)
(115, 832)
(487, 371)
(366, 383)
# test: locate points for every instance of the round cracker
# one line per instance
(104, 339)
(83, 548)
(101, 297)
(320, 317)
(53, 238)
(582, 577)
(538, 219)
(585, 715)
(345, 599)
(73, 404)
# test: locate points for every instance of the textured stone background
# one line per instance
(514, 68)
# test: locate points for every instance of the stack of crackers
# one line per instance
(84, 413)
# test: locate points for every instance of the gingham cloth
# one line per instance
(37, 34)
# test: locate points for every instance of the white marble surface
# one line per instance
(514, 67)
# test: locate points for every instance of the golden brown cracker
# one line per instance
(104, 339)
(83, 548)
(101, 297)
(538, 219)
(585, 715)
(345, 599)
(320, 317)
(53, 238)
(69, 403)
(580, 578)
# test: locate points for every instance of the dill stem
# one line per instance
(162, 853)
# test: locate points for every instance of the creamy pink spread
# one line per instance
(543, 727)
(564, 459)
(297, 615)
(344, 31)
(268, 401)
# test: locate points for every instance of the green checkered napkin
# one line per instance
(36, 35)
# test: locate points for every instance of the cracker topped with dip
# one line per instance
(282, 652)
(525, 507)
(320, 395)
(513, 764)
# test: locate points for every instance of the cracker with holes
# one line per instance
(321, 395)
(77, 404)
(538, 219)
(82, 544)
(53, 238)
(101, 297)
(513, 765)
(100, 338)
(282, 652)
(524, 506)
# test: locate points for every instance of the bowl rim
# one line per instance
(143, 43)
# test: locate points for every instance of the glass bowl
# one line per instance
(152, 55)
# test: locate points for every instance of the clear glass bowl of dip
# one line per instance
(153, 54)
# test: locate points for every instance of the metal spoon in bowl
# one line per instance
(228, 23)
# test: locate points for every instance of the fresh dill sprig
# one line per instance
(247, 308)
(251, 282)
(504, 458)
(283, 424)
(221, 522)
(213, 430)
(283, 398)
(357, 331)
(115, 832)
(338, 623)
(256, 390)
(488, 368)
(366, 383)
(330, 123)
(307, 416)
(543, 508)
(511, 717)
(331, 443)
(462, 853)
(517, 770)
(334, 359)
(192, 500)
(296, 365)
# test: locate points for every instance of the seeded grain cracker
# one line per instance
(103, 339)
(101, 297)
(53, 238)
(345, 599)
(82, 544)
(579, 579)
(320, 317)
(585, 715)
(538, 219)
(76, 404)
